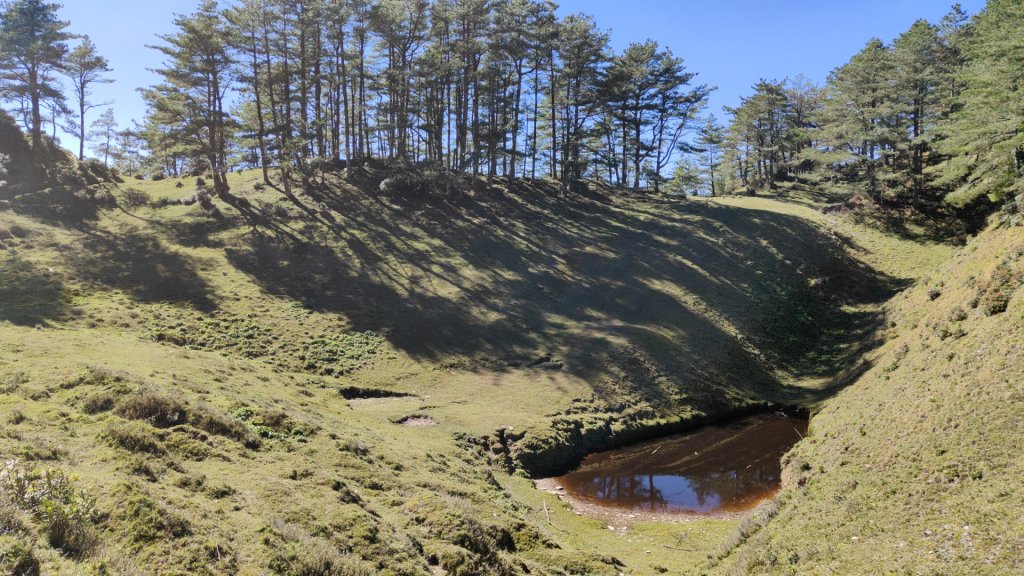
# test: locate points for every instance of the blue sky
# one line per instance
(730, 43)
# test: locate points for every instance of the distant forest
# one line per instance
(506, 88)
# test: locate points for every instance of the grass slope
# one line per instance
(236, 400)
(916, 467)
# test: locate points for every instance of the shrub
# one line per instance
(997, 293)
(159, 410)
(223, 425)
(16, 557)
(15, 417)
(64, 511)
(423, 185)
(134, 198)
(96, 403)
(95, 376)
(133, 437)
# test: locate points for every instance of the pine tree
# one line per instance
(196, 81)
(918, 75)
(84, 67)
(983, 136)
(33, 45)
(710, 138)
(104, 131)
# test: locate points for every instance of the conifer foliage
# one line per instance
(497, 88)
(928, 122)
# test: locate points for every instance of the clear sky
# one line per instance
(730, 43)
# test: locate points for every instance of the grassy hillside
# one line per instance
(358, 383)
(917, 467)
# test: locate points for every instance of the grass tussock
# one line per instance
(314, 556)
(142, 520)
(134, 437)
(164, 411)
(154, 408)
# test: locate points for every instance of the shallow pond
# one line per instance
(723, 468)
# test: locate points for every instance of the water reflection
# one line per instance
(716, 468)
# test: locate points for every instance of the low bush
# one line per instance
(208, 420)
(750, 525)
(163, 411)
(134, 198)
(996, 295)
(339, 354)
(269, 425)
(97, 376)
(64, 511)
(17, 557)
(423, 185)
(12, 381)
(133, 437)
(99, 402)
(219, 332)
(156, 409)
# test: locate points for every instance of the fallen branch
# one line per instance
(548, 516)
(678, 549)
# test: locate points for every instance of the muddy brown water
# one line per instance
(715, 469)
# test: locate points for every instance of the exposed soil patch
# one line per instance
(416, 421)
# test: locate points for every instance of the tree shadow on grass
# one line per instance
(141, 266)
(59, 205)
(517, 272)
(29, 294)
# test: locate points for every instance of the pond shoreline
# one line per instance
(724, 470)
(620, 520)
